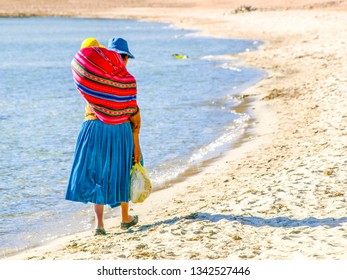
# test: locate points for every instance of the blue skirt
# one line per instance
(102, 162)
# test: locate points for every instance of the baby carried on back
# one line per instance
(104, 82)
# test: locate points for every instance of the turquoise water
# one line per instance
(187, 113)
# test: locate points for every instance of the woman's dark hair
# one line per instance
(123, 55)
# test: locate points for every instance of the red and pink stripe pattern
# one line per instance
(102, 79)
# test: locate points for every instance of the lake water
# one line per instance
(187, 108)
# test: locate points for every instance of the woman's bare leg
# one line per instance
(99, 216)
(126, 218)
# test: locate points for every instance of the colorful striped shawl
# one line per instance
(102, 79)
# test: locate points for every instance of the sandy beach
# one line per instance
(278, 195)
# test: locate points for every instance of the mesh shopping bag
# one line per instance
(140, 184)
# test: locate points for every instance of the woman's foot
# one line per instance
(130, 223)
(100, 231)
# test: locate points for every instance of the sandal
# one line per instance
(100, 231)
(130, 224)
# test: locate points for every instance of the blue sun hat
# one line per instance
(120, 46)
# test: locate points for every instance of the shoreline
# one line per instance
(281, 194)
(166, 191)
(191, 171)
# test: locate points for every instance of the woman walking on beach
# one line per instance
(108, 143)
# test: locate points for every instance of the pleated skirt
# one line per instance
(102, 162)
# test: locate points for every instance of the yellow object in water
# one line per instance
(180, 56)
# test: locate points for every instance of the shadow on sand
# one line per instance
(279, 222)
